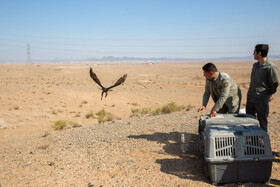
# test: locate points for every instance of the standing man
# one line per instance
(223, 90)
(264, 83)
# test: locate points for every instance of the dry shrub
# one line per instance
(75, 125)
(189, 107)
(61, 124)
(112, 117)
(171, 107)
(101, 116)
(84, 102)
(47, 133)
(104, 116)
(45, 144)
(16, 107)
(141, 111)
(77, 115)
(89, 114)
(168, 108)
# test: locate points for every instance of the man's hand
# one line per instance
(201, 108)
(270, 98)
(213, 113)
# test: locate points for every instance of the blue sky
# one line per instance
(80, 29)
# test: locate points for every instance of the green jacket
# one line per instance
(223, 91)
(264, 81)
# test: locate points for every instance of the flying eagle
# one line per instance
(105, 90)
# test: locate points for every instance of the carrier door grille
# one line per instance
(224, 146)
(253, 145)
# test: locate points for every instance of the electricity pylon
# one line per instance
(28, 55)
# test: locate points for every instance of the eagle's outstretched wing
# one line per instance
(94, 77)
(120, 81)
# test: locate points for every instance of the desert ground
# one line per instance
(127, 151)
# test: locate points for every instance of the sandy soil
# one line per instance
(141, 151)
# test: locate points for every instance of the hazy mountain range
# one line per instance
(131, 59)
(139, 59)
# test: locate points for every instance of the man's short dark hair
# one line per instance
(210, 67)
(263, 48)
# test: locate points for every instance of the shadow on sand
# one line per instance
(187, 165)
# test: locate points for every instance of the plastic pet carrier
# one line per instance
(234, 148)
(224, 119)
(221, 119)
(236, 153)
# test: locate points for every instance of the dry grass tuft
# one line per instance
(89, 114)
(46, 134)
(16, 107)
(61, 124)
(141, 111)
(75, 125)
(168, 108)
(84, 102)
(189, 107)
(45, 144)
(103, 116)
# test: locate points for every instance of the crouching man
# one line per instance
(224, 92)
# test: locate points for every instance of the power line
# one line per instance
(203, 37)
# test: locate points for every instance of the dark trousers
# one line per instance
(261, 108)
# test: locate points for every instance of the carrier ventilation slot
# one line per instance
(253, 145)
(224, 146)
